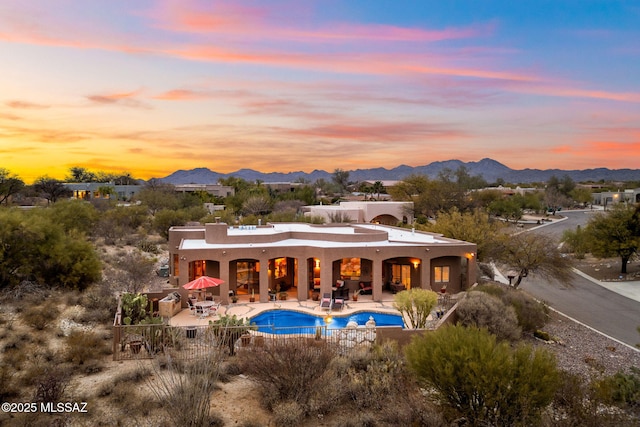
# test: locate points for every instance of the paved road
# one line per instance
(585, 301)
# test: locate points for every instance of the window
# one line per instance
(441, 274)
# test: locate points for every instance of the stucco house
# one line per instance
(306, 259)
(390, 213)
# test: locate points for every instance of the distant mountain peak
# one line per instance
(490, 169)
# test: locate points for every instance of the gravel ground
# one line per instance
(583, 351)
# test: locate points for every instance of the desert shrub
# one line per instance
(288, 370)
(288, 414)
(492, 289)
(184, 392)
(579, 401)
(482, 379)
(623, 388)
(485, 311)
(50, 387)
(532, 315)
(542, 335)
(84, 347)
(383, 375)
(147, 246)
(8, 386)
(39, 317)
(99, 303)
(379, 383)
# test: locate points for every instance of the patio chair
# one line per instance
(338, 303)
(326, 301)
(205, 312)
(214, 308)
(192, 308)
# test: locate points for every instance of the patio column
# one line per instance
(224, 287)
(425, 273)
(264, 279)
(303, 281)
(325, 276)
(377, 282)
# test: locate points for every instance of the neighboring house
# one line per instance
(92, 190)
(389, 213)
(213, 189)
(606, 198)
(306, 259)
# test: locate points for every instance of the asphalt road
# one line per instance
(583, 300)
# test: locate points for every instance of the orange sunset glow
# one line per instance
(151, 87)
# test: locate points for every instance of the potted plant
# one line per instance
(234, 299)
(252, 298)
(355, 295)
(283, 295)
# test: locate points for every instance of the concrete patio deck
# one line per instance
(245, 309)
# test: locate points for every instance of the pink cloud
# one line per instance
(126, 99)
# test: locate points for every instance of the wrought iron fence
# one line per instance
(192, 342)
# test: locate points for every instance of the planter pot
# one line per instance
(355, 297)
(246, 340)
(135, 346)
(252, 299)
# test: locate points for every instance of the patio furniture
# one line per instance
(326, 301)
(338, 303)
(397, 287)
(192, 308)
(365, 288)
(341, 290)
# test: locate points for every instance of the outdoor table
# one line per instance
(203, 307)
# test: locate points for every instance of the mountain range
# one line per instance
(489, 169)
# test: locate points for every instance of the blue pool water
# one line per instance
(295, 322)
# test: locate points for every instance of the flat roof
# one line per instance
(396, 237)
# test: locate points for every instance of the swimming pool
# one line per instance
(295, 322)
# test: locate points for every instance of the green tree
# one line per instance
(475, 227)
(415, 305)
(10, 185)
(615, 233)
(35, 245)
(483, 380)
(377, 188)
(508, 208)
(167, 218)
(576, 241)
(582, 195)
(532, 253)
(157, 195)
(74, 215)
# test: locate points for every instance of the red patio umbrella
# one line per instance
(203, 282)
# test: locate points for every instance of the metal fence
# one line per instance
(192, 342)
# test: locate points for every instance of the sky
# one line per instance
(151, 87)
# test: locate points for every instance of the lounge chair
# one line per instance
(338, 303)
(326, 301)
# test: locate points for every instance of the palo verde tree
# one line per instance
(34, 245)
(615, 233)
(415, 305)
(475, 227)
(532, 253)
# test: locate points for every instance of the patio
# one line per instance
(244, 309)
